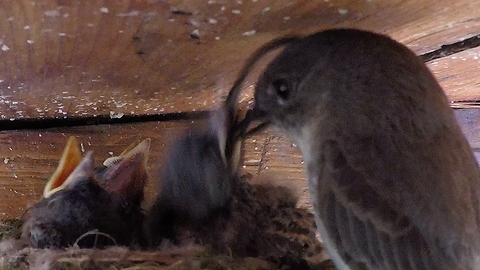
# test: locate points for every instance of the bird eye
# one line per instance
(282, 88)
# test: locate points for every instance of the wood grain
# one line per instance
(459, 73)
(30, 157)
(134, 57)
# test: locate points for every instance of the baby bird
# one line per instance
(197, 178)
(90, 208)
(393, 181)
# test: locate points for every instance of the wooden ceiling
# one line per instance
(132, 57)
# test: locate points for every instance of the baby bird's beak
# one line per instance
(126, 174)
(71, 158)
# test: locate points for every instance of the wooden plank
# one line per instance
(79, 58)
(458, 74)
(30, 157)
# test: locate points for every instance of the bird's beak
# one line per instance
(71, 158)
(253, 115)
(238, 130)
(82, 172)
(236, 142)
(126, 174)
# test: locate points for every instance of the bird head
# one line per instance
(79, 199)
(126, 174)
(356, 80)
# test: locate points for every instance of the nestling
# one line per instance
(197, 178)
(87, 207)
(393, 181)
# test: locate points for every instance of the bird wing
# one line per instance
(368, 231)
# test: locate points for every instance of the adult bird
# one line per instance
(88, 206)
(393, 181)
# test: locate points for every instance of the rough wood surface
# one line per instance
(85, 58)
(30, 157)
(459, 74)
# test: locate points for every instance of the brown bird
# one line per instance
(393, 181)
(197, 178)
(89, 208)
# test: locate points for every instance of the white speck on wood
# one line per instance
(104, 10)
(5, 48)
(249, 33)
(195, 33)
(6, 160)
(236, 11)
(252, 162)
(342, 11)
(132, 13)
(194, 23)
(212, 21)
(52, 13)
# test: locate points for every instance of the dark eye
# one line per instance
(282, 88)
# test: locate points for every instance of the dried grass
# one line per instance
(15, 254)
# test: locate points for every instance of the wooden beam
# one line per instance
(458, 74)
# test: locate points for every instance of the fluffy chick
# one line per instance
(90, 208)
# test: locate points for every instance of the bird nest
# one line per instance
(288, 241)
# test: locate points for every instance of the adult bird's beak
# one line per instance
(126, 174)
(71, 158)
(232, 146)
(253, 115)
